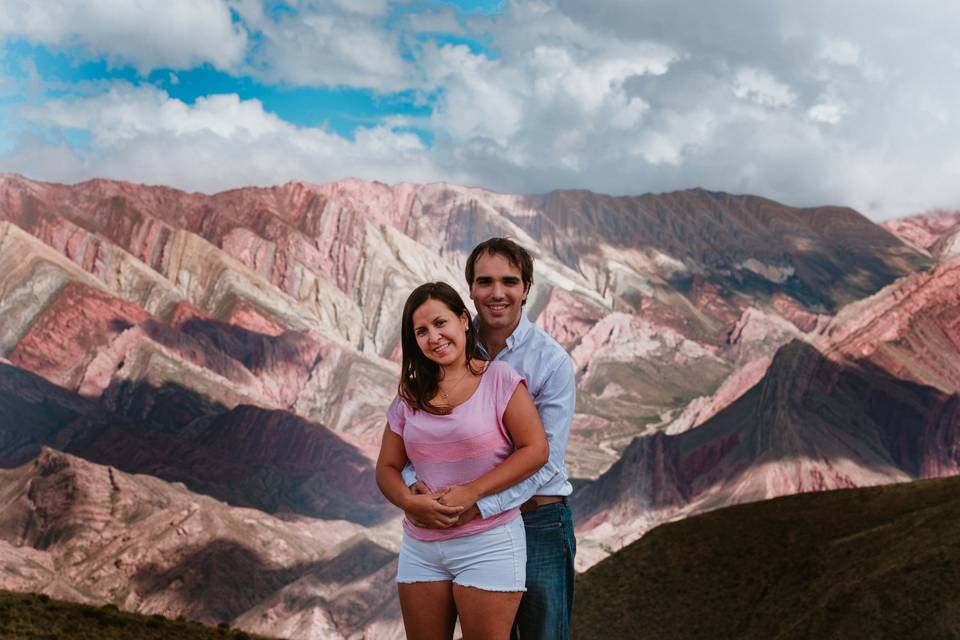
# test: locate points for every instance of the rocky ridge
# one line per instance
(249, 456)
(871, 399)
(937, 233)
(92, 533)
(336, 261)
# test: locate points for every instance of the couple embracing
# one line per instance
(473, 453)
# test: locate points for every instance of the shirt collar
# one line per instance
(520, 333)
(514, 339)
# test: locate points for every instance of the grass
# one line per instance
(881, 562)
(29, 616)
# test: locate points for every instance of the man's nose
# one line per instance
(498, 289)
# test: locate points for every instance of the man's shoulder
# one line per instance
(548, 350)
(539, 335)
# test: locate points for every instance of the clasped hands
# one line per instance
(453, 505)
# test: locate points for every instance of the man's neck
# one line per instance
(495, 340)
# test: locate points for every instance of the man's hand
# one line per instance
(468, 515)
(418, 488)
(426, 510)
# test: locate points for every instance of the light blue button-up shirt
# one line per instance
(548, 370)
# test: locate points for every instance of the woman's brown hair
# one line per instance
(419, 375)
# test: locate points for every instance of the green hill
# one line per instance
(880, 562)
(27, 616)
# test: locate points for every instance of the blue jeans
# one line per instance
(544, 612)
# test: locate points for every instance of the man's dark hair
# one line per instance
(517, 255)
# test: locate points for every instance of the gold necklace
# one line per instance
(446, 394)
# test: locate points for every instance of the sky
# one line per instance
(846, 102)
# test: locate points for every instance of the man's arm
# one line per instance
(555, 404)
(409, 474)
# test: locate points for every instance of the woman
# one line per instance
(471, 429)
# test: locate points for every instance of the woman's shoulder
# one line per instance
(500, 369)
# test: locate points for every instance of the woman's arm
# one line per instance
(422, 509)
(530, 453)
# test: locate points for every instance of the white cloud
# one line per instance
(178, 34)
(827, 113)
(325, 44)
(840, 51)
(143, 135)
(847, 104)
(442, 19)
(761, 87)
(482, 98)
(364, 7)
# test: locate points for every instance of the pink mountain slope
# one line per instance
(874, 398)
(935, 232)
(93, 533)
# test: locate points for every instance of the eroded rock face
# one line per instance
(911, 329)
(152, 547)
(273, 460)
(872, 398)
(340, 250)
(933, 232)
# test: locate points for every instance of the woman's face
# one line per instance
(440, 333)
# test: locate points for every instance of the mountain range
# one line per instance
(241, 348)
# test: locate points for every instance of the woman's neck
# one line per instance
(452, 371)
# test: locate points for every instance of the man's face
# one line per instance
(497, 291)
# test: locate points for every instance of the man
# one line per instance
(499, 273)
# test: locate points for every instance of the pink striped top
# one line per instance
(461, 446)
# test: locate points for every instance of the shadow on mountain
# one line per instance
(880, 562)
(836, 254)
(851, 423)
(225, 579)
(253, 350)
(247, 456)
(167, 409)
(356, 588)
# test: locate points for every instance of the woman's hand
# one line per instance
(422, 509)
(460, 495)
(427, 511)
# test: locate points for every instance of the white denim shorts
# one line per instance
(492, 560)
